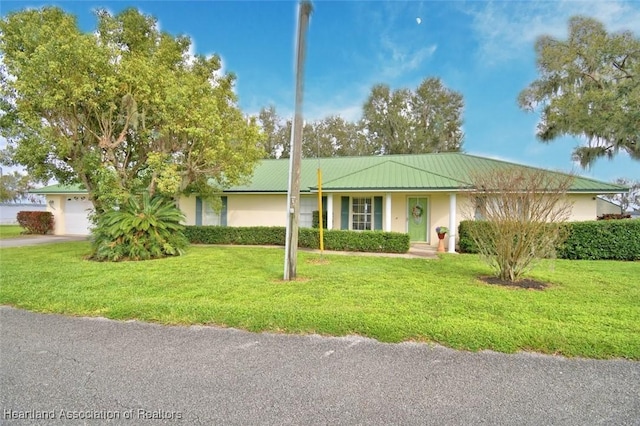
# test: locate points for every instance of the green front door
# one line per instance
(417, 218)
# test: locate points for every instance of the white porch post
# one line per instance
(329, 211)
(387, 212)
(452, 223)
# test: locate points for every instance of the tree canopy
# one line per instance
(400, 121)
(588, 87)
(403, 121)
(14, 187)
(122, 109)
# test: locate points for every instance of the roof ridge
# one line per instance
(359, 170)
(430, 172)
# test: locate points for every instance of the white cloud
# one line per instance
(504, 29)
(400, 59)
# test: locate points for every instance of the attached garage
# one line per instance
(76, 215)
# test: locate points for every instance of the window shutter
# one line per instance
(377, 213)
(223, 212)
(198, 211)
(344, 213)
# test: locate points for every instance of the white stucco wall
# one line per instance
(188, 207)
(585, 207)
(256, 210)
(55, 205)
(607, 207)
(270, 210)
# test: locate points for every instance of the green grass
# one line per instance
(10, 231)
(591, 309)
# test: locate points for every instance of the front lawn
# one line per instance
(591, 308)
(10, 231)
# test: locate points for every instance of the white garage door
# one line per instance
(76, 215)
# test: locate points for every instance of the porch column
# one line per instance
(452, 223)
(387, 212)
(329, 211)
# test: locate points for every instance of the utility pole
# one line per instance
(293, 194)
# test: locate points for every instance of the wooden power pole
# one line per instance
(293, 194)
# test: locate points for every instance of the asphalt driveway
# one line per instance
(87, 371)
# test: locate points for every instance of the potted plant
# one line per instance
(441, 231)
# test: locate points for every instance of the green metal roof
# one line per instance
(59, 189)
(411, 172)
(390, 175)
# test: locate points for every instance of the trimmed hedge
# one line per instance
(253, 235)
(465, 242)
(602, 240)
(36, 222)
(334, 239)
(592, 240)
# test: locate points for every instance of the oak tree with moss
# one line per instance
(588, 87)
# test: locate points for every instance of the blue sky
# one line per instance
(483, 49)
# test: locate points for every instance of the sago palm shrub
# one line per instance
(143, 228)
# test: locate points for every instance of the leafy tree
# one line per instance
(523, 210)
(410, 122)
(626, 200)
(276, 139)
(121, 110)
(329, 137)
(14, 187)
(334, 137)
(589, 87)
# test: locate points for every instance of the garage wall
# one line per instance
(70, 213)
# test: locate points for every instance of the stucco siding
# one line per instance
(584, 207)
(256, 210)
(188, 207)
(607, 207)
(55, 205)
(398, 212)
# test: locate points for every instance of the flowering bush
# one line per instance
(442, 230)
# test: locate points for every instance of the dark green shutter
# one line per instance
(223, 212)
(198, 211)
(377, 213)
(344, 213)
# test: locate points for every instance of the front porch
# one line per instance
(417, 214)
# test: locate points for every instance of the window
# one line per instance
(361, 214)
(206, 215)
(307, 206)
(209, 216)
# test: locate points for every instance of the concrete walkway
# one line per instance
(32, 240)
(99, 371)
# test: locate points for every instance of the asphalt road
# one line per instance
(74, 369)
